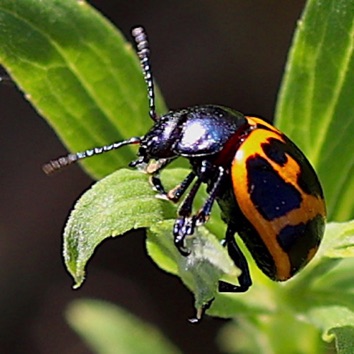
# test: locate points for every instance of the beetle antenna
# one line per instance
(143, 51)
(59, 163)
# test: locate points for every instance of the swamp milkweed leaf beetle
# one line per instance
(267, 191)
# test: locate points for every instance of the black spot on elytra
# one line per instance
(275, 151)
(298, 240)
(307, 178)
(270, 194)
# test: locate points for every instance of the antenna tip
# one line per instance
(141, 41)
(137, 30)
(56, 165)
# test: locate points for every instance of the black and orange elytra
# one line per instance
(267, 190)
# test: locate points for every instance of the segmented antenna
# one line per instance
(143, 51)
(57, 164)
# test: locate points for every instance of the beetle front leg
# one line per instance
(175, 194)
(154, 169)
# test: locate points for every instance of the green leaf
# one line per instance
(339, 240)
(207, 262)
(315, 106)
(116, 204)
(336, 322)
(78, 72)
(344, 337)
(108, 329)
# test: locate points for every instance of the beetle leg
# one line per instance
(240, 261)
(176, 193)
(183, 225)
(157, 186)
(202, 216)
(156, 166)
(154, 169)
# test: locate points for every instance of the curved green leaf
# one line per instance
(116, 204)
(315, 106)
(78, 72)
(336, 323)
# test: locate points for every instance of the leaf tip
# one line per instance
(78, 282)
(78, 276)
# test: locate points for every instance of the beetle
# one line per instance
(267, 190)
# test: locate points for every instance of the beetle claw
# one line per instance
(179, 243)
(182, 249)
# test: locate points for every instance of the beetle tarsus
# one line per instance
(180, 232)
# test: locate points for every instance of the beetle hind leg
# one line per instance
(240, 261)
